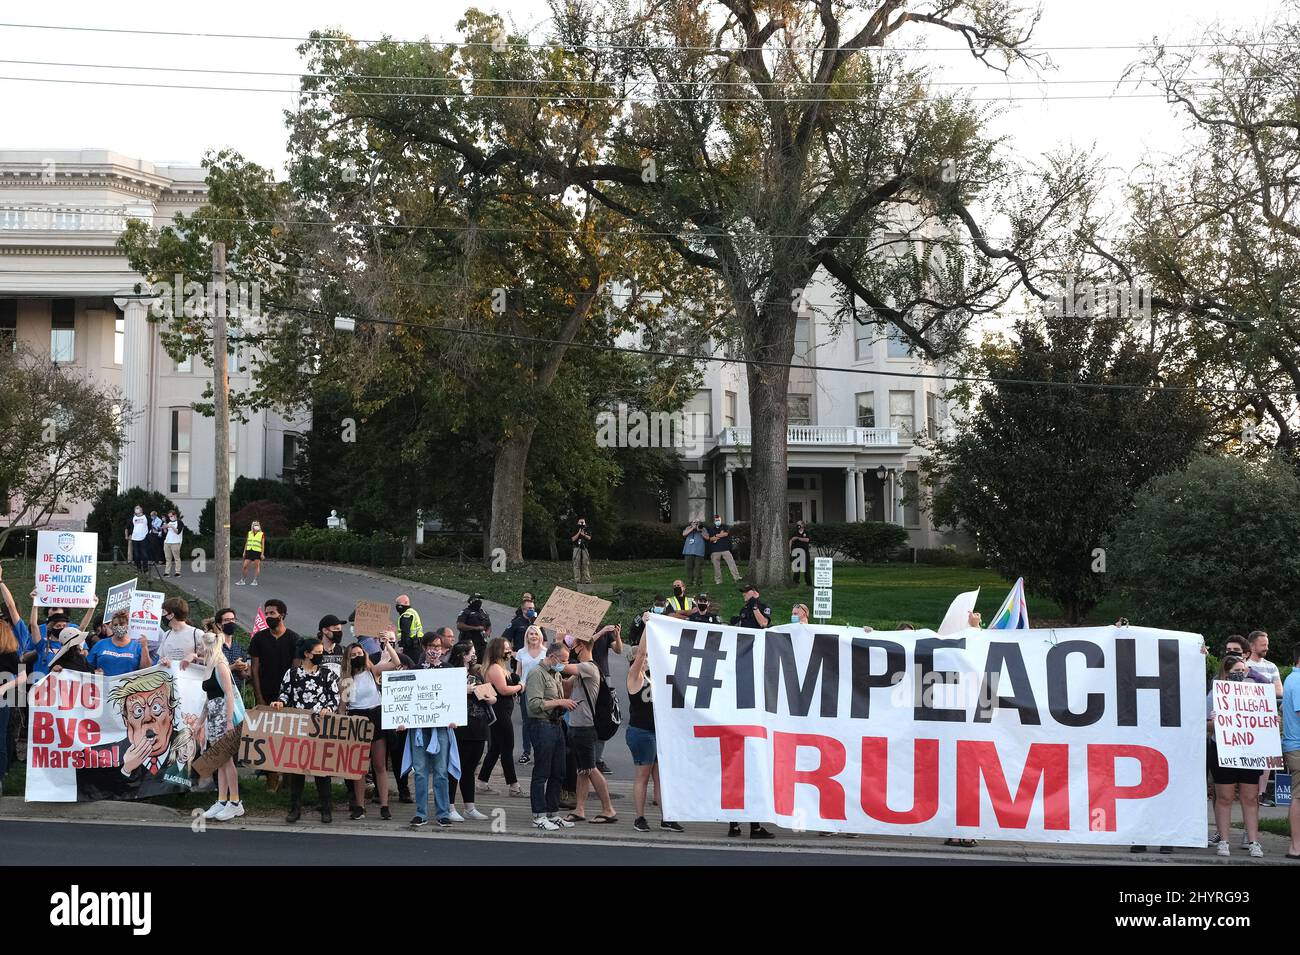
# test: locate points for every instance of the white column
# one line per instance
(135, 389)
(861, 482)
(850, 494)
(729, 496)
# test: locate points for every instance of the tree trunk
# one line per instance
(769, 514)
(506, 529)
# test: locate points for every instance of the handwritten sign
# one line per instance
(146, 616)
(119, 597)
(1246, 725)
(568, 611)
(423, 698)
(371, 618)
(65, 568)
(305, 743)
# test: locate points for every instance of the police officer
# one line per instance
(475, 625)
(679, 605)
(755, 614)
(410, 630)
(704, 612)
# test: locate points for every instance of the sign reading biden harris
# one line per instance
(1088, 736)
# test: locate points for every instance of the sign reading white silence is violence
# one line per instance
(1092, 736)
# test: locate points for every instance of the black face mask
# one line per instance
(358, 664)
(228, 628)
(678, 591)
(400, 608)
(166, 619)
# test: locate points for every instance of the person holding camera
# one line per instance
(704, 611)
(581, 541)
(693, 550)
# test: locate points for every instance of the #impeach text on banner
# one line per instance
(1090, 735)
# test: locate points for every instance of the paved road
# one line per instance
(118, 845)
(312, 590)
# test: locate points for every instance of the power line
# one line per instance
(532, 81)
(604, 47)
(612, 98)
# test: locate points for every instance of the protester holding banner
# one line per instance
(471, 739)
(497, 671)
(222, 714)
(359, 690)
(547, 703)
(1227, 782)
(309, 687)
(1235, 646)
(10, 680)
(1257, 642)
(119, 654)
(525, 661)
(641, 737)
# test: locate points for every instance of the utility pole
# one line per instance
(221, 393)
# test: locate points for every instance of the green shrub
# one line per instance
(866, 541)
(386, 551)
(643, 540)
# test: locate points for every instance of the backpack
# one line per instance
(605, 712)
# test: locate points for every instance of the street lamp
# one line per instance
(881, 472)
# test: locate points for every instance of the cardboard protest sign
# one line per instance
(424, 698)
(65, 568)
(305, 743)
(1092, 735)
(371, 618)
(119, 597)
(568, 611)
(145, 616)
(1246, 725)
(114, 737)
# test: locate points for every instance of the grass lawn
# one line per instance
(881, 595)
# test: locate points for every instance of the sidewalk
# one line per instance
(511, 818)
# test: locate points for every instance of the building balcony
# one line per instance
(822, 436)
(60, 218)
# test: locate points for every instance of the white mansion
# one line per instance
(61, 279)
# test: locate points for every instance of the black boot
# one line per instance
(295, 809)
(326, 804)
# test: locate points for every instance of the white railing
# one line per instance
(807, 435)
(53, 218)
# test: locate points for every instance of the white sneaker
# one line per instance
(475, 815)
(215, 809)
(561, 823)
(1256, 851)
(233, 810)
(1224, 849)
(454, 816)
(541, 822)
(241, 583)
(253, 584)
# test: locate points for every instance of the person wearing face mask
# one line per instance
(498, 670)
(224, 712)
(719, 538)
(174, 534)
(525, 617)
(359, 690)
(475, 625)
(254, 553)
(137, 534)
(181, 641)
(236, 656)
(693, 551)
(704, 612)
(799, 614)
(330, 631)
(272, 651)
(471, 739)
(637, 630)
(1228, 783)
(56, 631)
(581, 541)
(410, 631)
(679, 605)
(119, 654)
(547, 701)
(309, 687)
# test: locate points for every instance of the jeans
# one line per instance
(424, 765)
(548, 767)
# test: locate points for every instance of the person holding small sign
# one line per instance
(359, 690)
(1227, 781)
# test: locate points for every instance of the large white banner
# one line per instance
(1092, 735)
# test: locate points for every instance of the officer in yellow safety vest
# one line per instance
(409, 629)
(679, 605)
(254, 551)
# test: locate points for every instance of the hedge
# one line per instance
(866, 542)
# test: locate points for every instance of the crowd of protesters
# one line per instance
(558, 686)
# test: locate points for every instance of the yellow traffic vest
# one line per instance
(254, 541)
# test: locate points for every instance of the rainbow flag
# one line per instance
(1014, 612)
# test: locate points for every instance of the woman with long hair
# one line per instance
(12, 676)
(316, 688)
(360, 691)
(1242, 784)
(219, 719)
(532, 654)
(472, 737)
(497, 670)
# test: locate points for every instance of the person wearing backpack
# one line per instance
(174, 528)
(587, 688)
